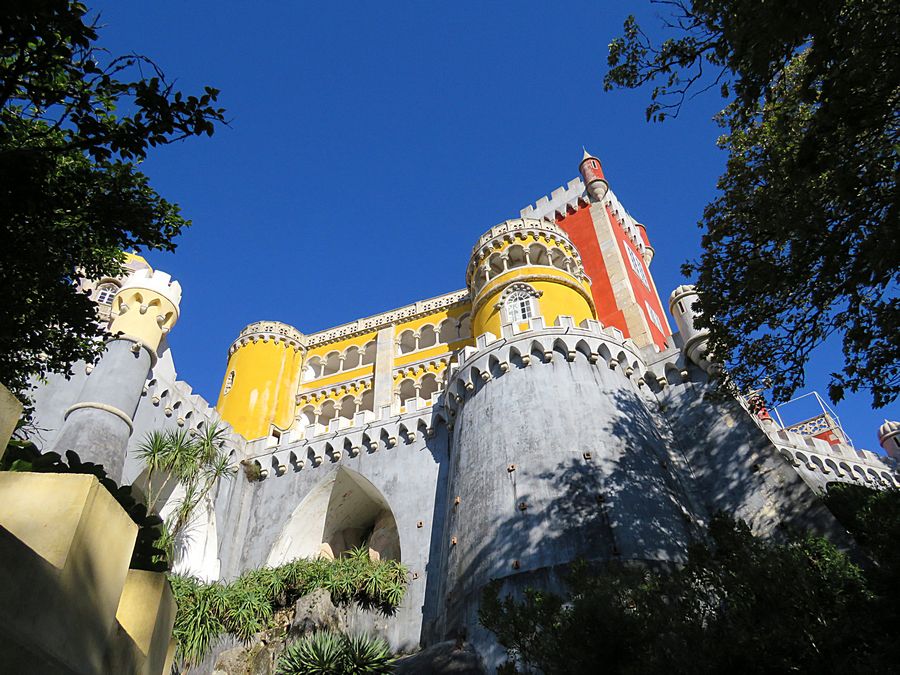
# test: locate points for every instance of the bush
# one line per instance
(247, 605)
(329, 652)
(740, 603)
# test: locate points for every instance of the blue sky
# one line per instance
(371, 144)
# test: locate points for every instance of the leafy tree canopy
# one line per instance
(803, 241)
(74, 123)
(740, 604)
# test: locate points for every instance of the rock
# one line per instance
(444, 658)
(315, 611)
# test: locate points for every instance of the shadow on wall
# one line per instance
(639, 486)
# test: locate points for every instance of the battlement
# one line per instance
(154, 280)
(823, 462)
(569, 198)
(266, 331)
(559, 201)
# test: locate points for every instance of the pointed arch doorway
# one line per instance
(342, 512)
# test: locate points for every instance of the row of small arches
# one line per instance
(330, 409)
(840, 469)
(449, 330)
(423, 388)
(519, 256)
(336, 362)
(335, 449)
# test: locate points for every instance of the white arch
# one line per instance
(343, 511)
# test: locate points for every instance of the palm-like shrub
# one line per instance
(331, 653)
(248, 604)
(197, 460)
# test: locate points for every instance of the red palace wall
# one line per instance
(645, 296)
(580, 228)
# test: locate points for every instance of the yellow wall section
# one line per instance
(267, 376)
(556, 299)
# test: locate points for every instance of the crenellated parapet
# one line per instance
(145, 308)
(821, 462)
(324, 447)
(538, 345)
(267, 331)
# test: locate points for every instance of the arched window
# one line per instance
(106, 293)
(519, 306)
(229, 383)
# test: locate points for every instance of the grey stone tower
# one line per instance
(99, 424)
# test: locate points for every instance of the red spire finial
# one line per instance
(592, 175)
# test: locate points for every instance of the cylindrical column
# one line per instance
(97, 427)
(553, 461)
(695, 340)
(263, 375)
(889, 438)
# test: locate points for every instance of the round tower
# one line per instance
(555, 454)
(695, 340)
(262, 377)
(592, 174)
(889, 438)
(526, 269)
(97, 427)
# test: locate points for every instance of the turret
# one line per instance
(262, 378)
(97, 427)
(592, 175)
(145, 308)
(695, 340)
(889, 438)
(525, 270)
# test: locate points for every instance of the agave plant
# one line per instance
(332, 653)
(366, 654)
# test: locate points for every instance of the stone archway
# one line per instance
(343, 512)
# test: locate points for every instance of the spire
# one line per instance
(592, 174)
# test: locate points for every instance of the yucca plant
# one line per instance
(366, 654)
(332, 653)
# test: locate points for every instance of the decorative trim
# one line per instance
(269, 330)
(482, 297)
(373, 323)
(517, 286)
(105, 408)
(138, 341)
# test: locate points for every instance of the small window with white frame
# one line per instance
(519, 306)
(106, 293)
(654, 317)
(636, 265)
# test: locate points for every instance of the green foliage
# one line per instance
(802, 242)
(738, 603)
(328, 652)
(75, 122)
(196, 459)
(247, 605)
(873, 518)
(147, 554)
